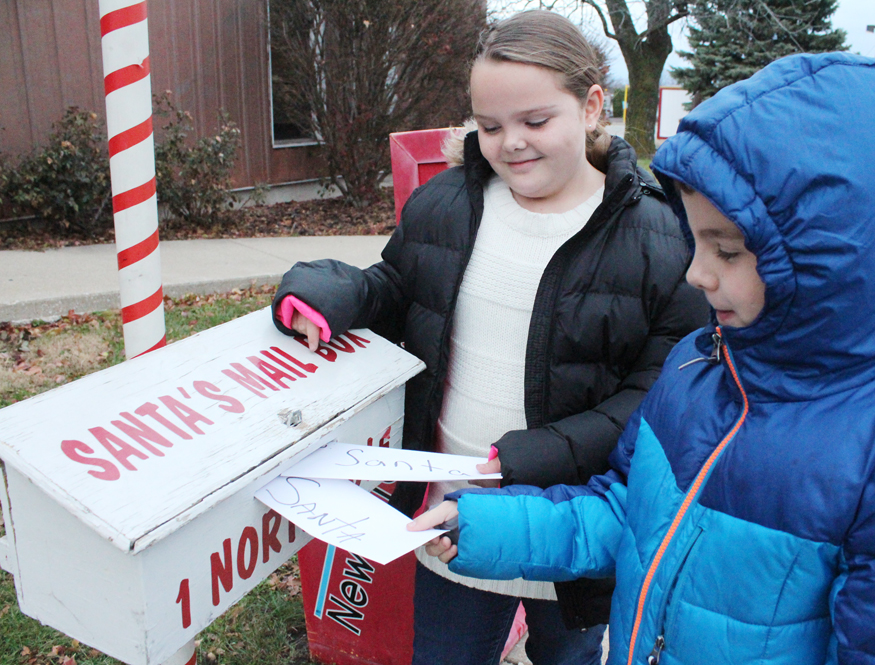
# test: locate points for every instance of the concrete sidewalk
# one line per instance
(45, 285)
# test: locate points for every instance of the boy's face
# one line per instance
(722, 266)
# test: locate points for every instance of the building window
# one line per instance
(286, 111)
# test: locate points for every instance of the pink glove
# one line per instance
(286, 311)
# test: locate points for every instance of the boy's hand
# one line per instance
(301, 324)
(441, 547)
(492, 466)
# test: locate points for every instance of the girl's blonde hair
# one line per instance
(545, 39)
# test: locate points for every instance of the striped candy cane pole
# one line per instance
(125, 41)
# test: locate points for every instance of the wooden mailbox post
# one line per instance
(128, 494)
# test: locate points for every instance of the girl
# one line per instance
(542, 283)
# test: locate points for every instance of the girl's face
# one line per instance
(722, 266)
(533, 133)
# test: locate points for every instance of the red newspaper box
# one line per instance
(416, 157)
(359, 612)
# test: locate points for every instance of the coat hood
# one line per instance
(785, 155)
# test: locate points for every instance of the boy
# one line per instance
(739, 514)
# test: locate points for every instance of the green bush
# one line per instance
(193, 176)
(66, 182)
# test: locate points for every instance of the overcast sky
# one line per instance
(852, 16)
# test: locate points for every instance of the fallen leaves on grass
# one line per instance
(39, 355)
(59, 654)
(287, 578)
(193, 300)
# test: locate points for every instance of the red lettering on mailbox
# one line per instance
(355, 339)
(186, 414)
(248, 537)
(249, 379)
(270, 526)
(118, 448)
(341, 345)
(222, 570)
(222, 564)
(307, 367)
(329, 354)
(142, 433)
(270, 356)
(151, 410)
(272, 372)
(214, 392)
(184, 597)
(72, 449)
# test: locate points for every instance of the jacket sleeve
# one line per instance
(854, 589)
(555, 535)
(349, 297)
(571, 450)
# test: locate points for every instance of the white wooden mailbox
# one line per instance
(128, 494)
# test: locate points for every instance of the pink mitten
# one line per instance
(286, 311)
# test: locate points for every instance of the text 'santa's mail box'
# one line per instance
(130, 518)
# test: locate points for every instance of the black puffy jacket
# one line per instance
(611, 304)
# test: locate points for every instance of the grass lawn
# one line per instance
(267, 625)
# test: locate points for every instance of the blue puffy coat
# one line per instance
(739, 514)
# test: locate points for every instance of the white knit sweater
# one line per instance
(483, 395)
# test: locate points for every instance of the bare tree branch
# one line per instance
(350, 72)
(602, 17)
(645, 54)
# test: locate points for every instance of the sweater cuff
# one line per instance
(286, 311)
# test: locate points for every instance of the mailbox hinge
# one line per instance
(290, 417)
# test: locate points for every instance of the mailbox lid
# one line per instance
(162, 438)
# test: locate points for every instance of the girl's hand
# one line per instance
(441, 547)
(492, 466)
(291, 313)
(301, 324)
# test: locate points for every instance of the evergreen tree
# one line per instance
(732, 39)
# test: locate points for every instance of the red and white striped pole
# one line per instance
(128, 87)
(127, 84)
